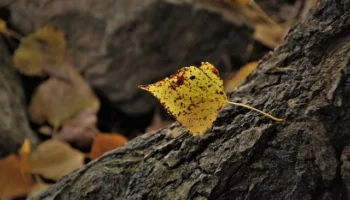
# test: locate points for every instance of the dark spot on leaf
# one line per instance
(192, 77)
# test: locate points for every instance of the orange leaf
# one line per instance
(24, 156)
(106, 142)
(15, 177)
(239, 76)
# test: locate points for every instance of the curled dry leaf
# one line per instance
(58, 101)
(269, 35)
(106, 142)
(81, 130)
(15, 177)
(53, 159)
(193, 96)
(238, 77)
(37, 189)
(41, 52)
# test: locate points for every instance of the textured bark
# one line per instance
(14, 127)
(245, 155)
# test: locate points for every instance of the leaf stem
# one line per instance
(256, 110)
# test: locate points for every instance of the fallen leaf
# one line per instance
(106, 142)
(41, 52)
(38, 188)
(15, 177)
(238, 77)
(58, 101)
(269, 35)
(81, 130)
(53, 159)
(193, 96)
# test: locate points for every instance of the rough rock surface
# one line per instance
(14, 125)
(245, 155)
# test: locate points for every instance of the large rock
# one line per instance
(14, 125)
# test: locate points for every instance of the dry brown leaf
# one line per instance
(269, 35)
(53, 159)
(15, 177)
(58, 101)
(238, 77)
(41, 52)
(106, 142)
(38, 188)
(3, 28)
(81, 130)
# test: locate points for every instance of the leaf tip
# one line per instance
(143, 87)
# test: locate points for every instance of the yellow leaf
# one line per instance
(14, 179)
(58, 101)
(193, 96)
(53, 159)
(106, 142)
(239, 76)
(41, 52)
